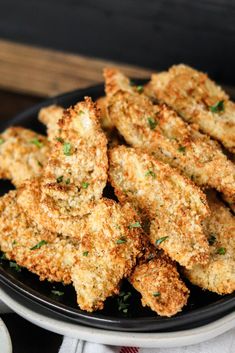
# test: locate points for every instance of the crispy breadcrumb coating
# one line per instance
(50, 116)
(198, 100)
(109, 253)
(174, 206)
(75, 175)
(161, 132)
(105, 121)
(159, 284)
(18, 237)
(218, 275)
(106, 253)
(23, 154)
(76, 172)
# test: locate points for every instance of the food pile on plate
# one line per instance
(166, 148)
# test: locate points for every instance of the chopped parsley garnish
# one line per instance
(15, 266)
(150, 172)
(221, 251)
(160, 240)
(140, 88)
(1, 141)
(122, 300)
(85, 253)
(182, 149)
(59, 139)
(36, 142)
(67, 149)
(156, 294)
(39, 164)
(122, 240)
(217, 107)
(57, 292)
(134, 225)
(152, 123)
(81, 112)
(67, 181)
(14, 242)
(3, 257)
(38, 246)
(85, 185)
(60, 179)
(212, 239)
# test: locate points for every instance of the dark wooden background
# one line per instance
(148, 33)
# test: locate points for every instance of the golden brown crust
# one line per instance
(18, 236)
(23, 154)
(75, 175)
(76, 172)
(107, 250)
(174, 206)
(161, 132)
(112, 252)
(159, 284)
(218, 275)
(192, 94)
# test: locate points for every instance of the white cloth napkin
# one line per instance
(222, 344)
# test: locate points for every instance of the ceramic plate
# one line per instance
(5, 341)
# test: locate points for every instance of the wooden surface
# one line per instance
(47, 72)
(147, 33)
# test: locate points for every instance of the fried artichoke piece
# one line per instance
(160, 131)
(75, 175)
(160, 286)
(106, 252)
(198, 100)
(23, 154)
(218, 275)
(174, 206)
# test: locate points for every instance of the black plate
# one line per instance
(203, 307)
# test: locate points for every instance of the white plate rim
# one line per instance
(118, 338)
(5, 340)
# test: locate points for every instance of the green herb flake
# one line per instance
(150, 172)
(140, 89)
(221, 251)
(3, 257)
(67, 148)
(152, 123)
(67, 181)
(156, 294)
(212, 239)
(122, 240)
(85, 185)
(134, 225)
(59, 139)
(1, 141)
(59, 179)
(182, 149)
(37, 142)
(14, 242)
(57, 292)
(39, 245)
(217, 107)
(39, 164)
(15, 266)
(160, 240)
(85, 253)
(122, 300)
